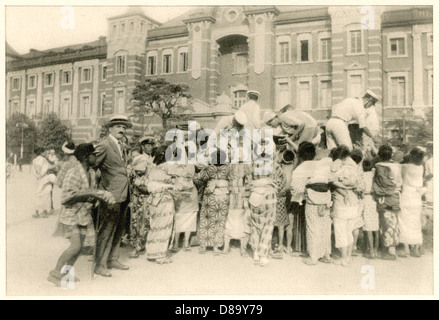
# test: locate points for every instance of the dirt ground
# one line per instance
(32, 252)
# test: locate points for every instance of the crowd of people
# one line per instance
(312, 202)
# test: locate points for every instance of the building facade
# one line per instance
(309, 57)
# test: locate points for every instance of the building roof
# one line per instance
(10, 52)
(177, 26)
(65, 49)
(134, 10)
(84, 51)
(408, 16)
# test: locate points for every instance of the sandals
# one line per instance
(244, 254)
(202, 250)
(326, 260)
(134, 254)
(369, 256)
(187, 249)
(264, 262)
(163, 261)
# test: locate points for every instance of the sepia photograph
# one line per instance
(227, 150)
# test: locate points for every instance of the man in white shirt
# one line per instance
(349, 110)
(252, 110)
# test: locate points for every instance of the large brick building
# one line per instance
(309, 57)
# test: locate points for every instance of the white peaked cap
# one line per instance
(240, 117)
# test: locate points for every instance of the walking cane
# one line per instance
(97, 229)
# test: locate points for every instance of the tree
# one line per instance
(414, 131)
(52, 133)
(19, 128)
(168, 101)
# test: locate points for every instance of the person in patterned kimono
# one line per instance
(139, 218)
(238, 218)
(75, 219)
(386, 186)
(266, 181)
(161, 207)
(215, 203)
(186, 204)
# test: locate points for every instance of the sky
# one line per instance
(42, 28)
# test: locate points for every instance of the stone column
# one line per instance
(56, 92)
(418, 81)
(75, 96)
(39, 93)
(262, 56)
(214, 75)
(8, 96)
(23, 93)
(95, 92)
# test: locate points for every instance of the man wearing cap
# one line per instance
(347, 111)
(147, 144)
(252, 110)
(238, 121)
(111, 159)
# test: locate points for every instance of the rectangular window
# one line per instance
(284, 48)
(47, 106)
(241, 63)
(325, 49)
(397, 47)
(398, 87)
(304, 95)
(355, 85)
(85, 106)
(325, 94)
(142, 26)
(31, 82)
(304, 50)
(120, 101)
(283, 94)
(114, 29)
(356, 41)
(239, 98)
(120, 64)
(14, 107)
(151, 65)
(66, 108)
(167, 63)
(30, 108)
(430, 44)
(131, 26)
(16, 84)
(66, 77)
(86, 75)
(102, 105)
(48, 79)
(104, 72)
(122, 27)
(183, 62)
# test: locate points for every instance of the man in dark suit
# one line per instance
(112, 162)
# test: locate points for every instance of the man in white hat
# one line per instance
(111, 159)
(348, 111)
(252, 110)
(237, 121)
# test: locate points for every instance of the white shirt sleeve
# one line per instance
(360, 114)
